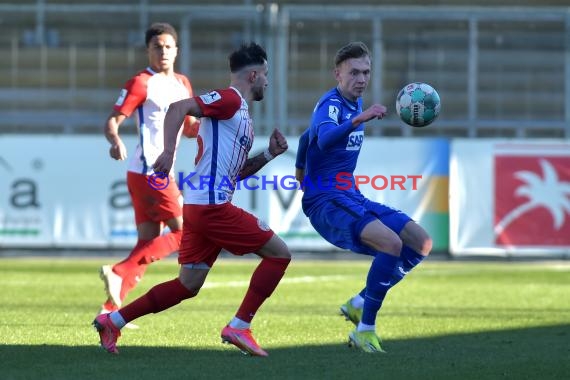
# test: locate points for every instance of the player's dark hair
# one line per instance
(352, 50)
(158, 28)
(245, 55)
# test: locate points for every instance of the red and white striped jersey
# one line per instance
(224, 140)
(150, 94)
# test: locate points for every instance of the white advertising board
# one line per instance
(65, 191)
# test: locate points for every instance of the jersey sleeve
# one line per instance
(327, 112)
(219, 104)
(132, 95)
(325, 126)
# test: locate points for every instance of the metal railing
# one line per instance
(72, 57)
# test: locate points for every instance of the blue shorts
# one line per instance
(340, 220)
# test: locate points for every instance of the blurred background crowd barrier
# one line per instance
(501, 71)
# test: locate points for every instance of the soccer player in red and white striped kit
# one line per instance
(147, 95)
(211, 221)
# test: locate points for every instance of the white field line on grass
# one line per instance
(294, 280)
(478, 268)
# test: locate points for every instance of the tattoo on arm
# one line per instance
(252, 165)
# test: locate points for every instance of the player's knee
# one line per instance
(283, 254)
(192, 284)
(275, 248)
(192, 290)
(426, 246)
(392, 245)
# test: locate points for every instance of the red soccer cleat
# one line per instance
(108, 333)
(242, 339)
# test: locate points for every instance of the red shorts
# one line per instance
(151, 204)
(209, 228)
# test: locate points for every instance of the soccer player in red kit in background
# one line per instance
(211, 221)
(148, 94)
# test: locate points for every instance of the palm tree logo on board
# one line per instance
(541, 192)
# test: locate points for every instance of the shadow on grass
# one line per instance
(535, 353)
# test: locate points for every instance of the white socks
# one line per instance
(358, 302)
(117, 319)
(237, 323)
(362, 327)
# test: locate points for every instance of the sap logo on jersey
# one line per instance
(355, 140)
(210, 97)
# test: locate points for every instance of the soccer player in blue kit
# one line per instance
(326, 159)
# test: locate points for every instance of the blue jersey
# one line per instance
(329, 148)
(328, 151)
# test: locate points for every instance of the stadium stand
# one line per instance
(66, 62)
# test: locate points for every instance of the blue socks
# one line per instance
(377, 285)
(385, 269)
(409, 259)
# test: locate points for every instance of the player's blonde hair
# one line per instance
(352, 50)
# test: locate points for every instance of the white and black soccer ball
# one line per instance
(418, 104)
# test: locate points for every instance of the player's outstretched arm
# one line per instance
(330, 133)
(375, 111)
(277, 145)
(173, 121)
(118, 151)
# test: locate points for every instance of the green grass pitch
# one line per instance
(446, 320)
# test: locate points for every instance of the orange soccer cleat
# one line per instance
(242, 339)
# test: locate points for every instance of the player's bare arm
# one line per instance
(300, 175)
(301, 158)
(118, 151)
(277, 145)
(173, 121)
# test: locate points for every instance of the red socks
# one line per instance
(145, 252)
(263, 282)
(157, 299)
